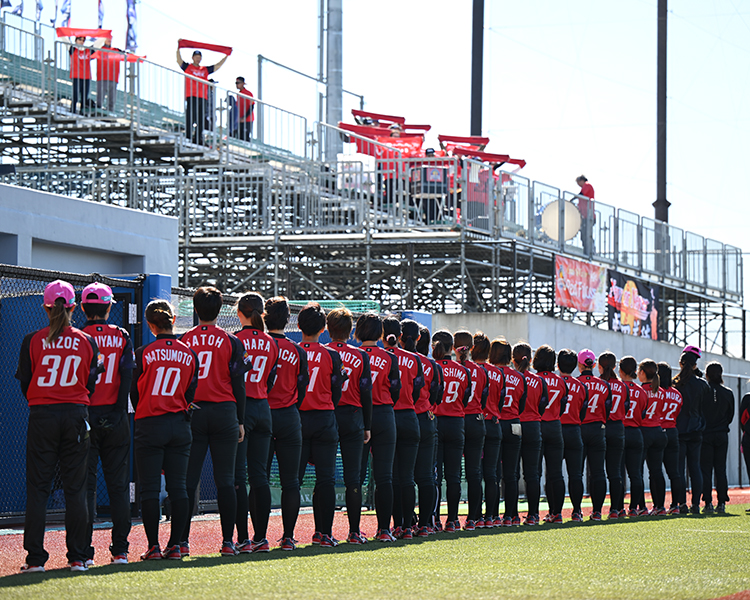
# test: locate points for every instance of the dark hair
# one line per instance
(59, 319)
(500, 352)
(651, 371)
(160, 314)
(442, 344)
(409, 334)
(277, 313)
(481, 348)
(369, 327)
(312, 319)
(94, 310)
(629, 366)
(544, 359)
(251, 307)
(391, 331)
(240, 78)
(423, 343)
(588, 364)
(339, 322)
(608, 361)
(714, 372)
(665, 375)
(567, 361)
(463, 341)
(207, 302)
(522, 356)
(688, 360)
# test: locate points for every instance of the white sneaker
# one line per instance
(89, 562)
(120, 559)
(32, 568)
(78, 566)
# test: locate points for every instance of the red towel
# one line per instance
(201, 46)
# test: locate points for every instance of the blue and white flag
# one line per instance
(18, 10)
(65, 14)
(101, 13)
(39, 8)
(5, 4)
(53, 20)
(131, 45)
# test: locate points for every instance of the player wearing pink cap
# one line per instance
(57, 369)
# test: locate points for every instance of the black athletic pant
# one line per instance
(531, 456)
(574, 463)
(320, 439)
(474, 433)
(690, 456)
(714, 461)
(287, 445)
(632, 460)
(490, 457)
(113, 446)
(383, 448)
(450, 450)
(654, 442)
(351, 440)
(553, 450)
(81, 89)
(594, 451)
(746, 450)
(195, 118)
(162, 443)
(56, 432)
(252, 464)
(215, 426)
(510, 450)
(424, 467)
(671, 463)
(615, 438)
(404, 460)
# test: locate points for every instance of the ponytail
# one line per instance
(607, 361)
(522, 356)
(439, 351)
(160, 314)
(251, 307)
(688, 360)
(391, 331)
(59, 319)
(463, 341)
(409, 334)
(442, 344)
(651, 371)
(629, 366)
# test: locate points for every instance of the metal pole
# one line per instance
(661, 206)
(259, 116)
(321, 56)
(334, 79)
(477, 67)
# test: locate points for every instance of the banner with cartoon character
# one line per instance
(632, 306)
(580, 285)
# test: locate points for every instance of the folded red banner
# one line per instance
(201, 46)
(117, 56)
(75, 32)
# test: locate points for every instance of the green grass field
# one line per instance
(675, 557)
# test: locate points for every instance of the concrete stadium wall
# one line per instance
(538, 330)
(48, 231)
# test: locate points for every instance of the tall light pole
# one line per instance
(477, 57)
(661, 206)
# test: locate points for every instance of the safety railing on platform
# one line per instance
(22, 68)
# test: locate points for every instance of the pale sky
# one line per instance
(569, 86)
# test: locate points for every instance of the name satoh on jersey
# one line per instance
(638, 400)
(557, 392)
(61, 369)
(457, 387)
(599, 399)
(672, 408)
(320, 365)
(411, 373)
(515, 391)
(534, 398)
(576, 400)
(620, 400)
(655, 404)
(291, 369)
(353, 364)
(261, 353)
(431, 386)
(386, 383)
(168, 369)
(114, 345)
(214, 348)
(496, 391)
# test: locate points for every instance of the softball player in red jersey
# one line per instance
(672, 408)
(744, 414)
(615, 433)
(353, 414)
(108, 415)
(575, 411)
(513, 405)
(163, 388)
(219, 422)
(593, 429)
(57, 369)
(386, 388)
(654, 438)
(251, 462)
(284, 398)
(450, 418)
(632, 459)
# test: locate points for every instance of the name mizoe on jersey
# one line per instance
(109, 341)
(69, 343)
(169, 355)
(350, 359)
(205, 339)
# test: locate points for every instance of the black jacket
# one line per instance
(695, 395)
(718, 410)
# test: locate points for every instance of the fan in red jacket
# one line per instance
(80, 73)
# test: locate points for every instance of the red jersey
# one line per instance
(108, 64)
(536, 398)
(620, 399)
(431, 393)
(386, 382)
(165, 379)
(457, 389)
(479, 388)
(357, 389)
(576, 402)
(261, 353)
(557, 394)
(637, 406)
(221, 358)
(80, 63)
(672, 408)
(115, 346)
(292, 377)
(326, 377)
(496, 392)
(655, 405)
(245, 105)
(412, 378)
(63, 372)
(193, 88)
(586, 204)
(600, 398)
(515, 394)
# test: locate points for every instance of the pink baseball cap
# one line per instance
(693, 350)
(585, 355)
(59, 289)
(103, 294)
